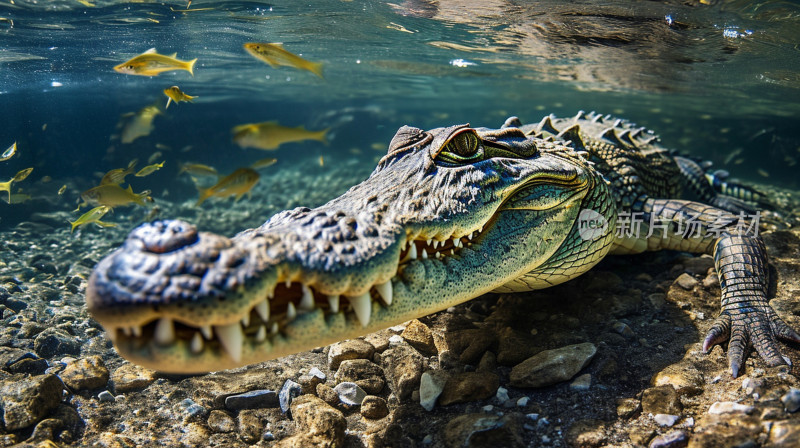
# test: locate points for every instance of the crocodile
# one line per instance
(447, 215)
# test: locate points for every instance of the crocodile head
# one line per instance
(448, 214)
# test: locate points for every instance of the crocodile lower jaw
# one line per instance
(289, 315)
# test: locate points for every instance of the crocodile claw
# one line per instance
(750, 326)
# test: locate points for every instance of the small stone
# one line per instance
(666, 419)
(672, 439)
(626, 407)
(697, 265)
(106, 397)
(351, 349)
(469, 386)
(523, 401)
(754, 386)
(192, 409)
(728, 407)
(250, 426)
(350, 393)
(368, 375)
(221, 421)
(374, 408)
(581, 383)
(710, 281)
(679, 376)
(254, 399)
(482, 430)
(85, 373)
(427, 440)
(309, 381)
(791, 400)
(327, 394)
(661, 400)
(623, 329)
(25, 402)
(552, 366)
(431, 385)
(403, 367)
(686, 281)
(502, 395)
(52, 342)
(488, 363)
(418, 335)
(318, 424)
(586, 433)
(784, 434)
(289, 391)
(131, 377)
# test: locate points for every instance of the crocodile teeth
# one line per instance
(262, 308)
(333, 302)
(231, 338)
(273, 329)
(206, 330)
(362, 306)
(197, 343)
(385, 290)
(246, 320)
(307, 302)
(424, 253)
(412, 252)
(291, 311)
(438, 255)
(429, 241)
(165, 331)
(288, 283)
(126, 331)
(261, 335)
(136, 330)
(435, 244)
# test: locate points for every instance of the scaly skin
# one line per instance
(447, 215)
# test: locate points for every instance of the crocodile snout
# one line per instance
(165, 236)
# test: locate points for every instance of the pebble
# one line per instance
(686, 281)
(419, 336)
(727, 407)
(254, 399)
(318, 424)
(192, 409)
(221, 421)
(791, 400)
(403, 367)
(552, 366)
(502, 395)
(289, 391)
(350, 393)
(666, 419)
(661, 400)
(350, 349)
(523, 401)
(308, 382)
(52, 342)
(672, 439)
(374, 408)
(626, 407)
(85, 373)
(130, 377)
(479, 429)
(327, 394)
(250, 426)
(623, 329)
(581, 383)
(106, 397)
(427, 440)
(368, 375)
(431, 385)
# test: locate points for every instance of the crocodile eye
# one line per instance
(464, 147)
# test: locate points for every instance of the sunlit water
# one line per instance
(718, 80)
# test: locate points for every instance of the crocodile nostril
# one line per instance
(165, 236)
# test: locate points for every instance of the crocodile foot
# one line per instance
(752, 323)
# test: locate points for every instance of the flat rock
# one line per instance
(26, 401)
(419, 336)
(350, 349)
(728, 407)
(288, 393)
(552, 366)
(85, 373)
(431, 384)
(469, 386)
(350, 393)
(254, 399)
(686, 281)
(53, 342)
(131, 377)
(672, 439)
(484, 431)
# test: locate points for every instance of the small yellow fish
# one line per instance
(163, 147)
(151, 63)
(263, 163)
(19, 198)
(62, 189)
(20, 176)
(270, 135)
(149, 169)
(321, 161)
(94, 216)
(237, 183)
(112, 195)
(174, 93)
(197, 169)
(139, 124)
(117, 175)
(153, 157)
(275, 55)
(9, 153)
(86, 3)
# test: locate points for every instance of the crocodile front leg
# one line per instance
(746, 318)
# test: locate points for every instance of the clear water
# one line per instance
(723, 82)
